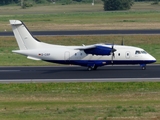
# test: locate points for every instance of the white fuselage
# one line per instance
(69, 55)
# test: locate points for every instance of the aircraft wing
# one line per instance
(97, 49)
(86, 47)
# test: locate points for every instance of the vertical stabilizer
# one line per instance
(24, 39)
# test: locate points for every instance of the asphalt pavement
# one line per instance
(87, 32)
(76, 73)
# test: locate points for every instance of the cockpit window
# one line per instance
(137, 52)
(140, 52)
(143, 52)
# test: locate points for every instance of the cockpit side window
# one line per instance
(137, 52)
(143, 52)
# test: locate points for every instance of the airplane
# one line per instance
(90, 56)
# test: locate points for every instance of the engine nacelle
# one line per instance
(99, 50)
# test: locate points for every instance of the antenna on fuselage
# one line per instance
(122, 42)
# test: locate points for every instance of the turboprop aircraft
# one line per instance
(91, 56)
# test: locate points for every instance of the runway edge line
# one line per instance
(81, 80)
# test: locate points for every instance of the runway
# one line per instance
(79, 74)
(87, 32)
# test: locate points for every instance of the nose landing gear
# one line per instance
(143, 66)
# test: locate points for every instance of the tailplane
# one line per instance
(24, 38)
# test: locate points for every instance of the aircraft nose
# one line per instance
(152, 59)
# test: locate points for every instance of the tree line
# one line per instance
(108, 4)
(7, 2)
(145, 0)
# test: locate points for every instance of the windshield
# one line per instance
(140, 52)
(143, 52)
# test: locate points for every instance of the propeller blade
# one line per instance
(112, 53)
(113, 50)
(112, 59)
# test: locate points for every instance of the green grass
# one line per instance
(82, 16)
(43, 101)
(91, 20)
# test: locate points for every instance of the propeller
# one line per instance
(112, 53)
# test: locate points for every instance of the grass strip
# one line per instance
(99, 101)
(82, 17)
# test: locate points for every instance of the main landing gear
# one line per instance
(92, 68)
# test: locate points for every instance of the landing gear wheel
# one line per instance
(143, 67)
(89, 68)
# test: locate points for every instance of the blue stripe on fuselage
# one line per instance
(101, 62)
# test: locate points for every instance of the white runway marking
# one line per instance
(9, 70)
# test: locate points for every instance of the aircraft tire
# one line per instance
(143, 67)
(89, 68)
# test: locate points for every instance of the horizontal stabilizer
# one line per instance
(33, 58)
(26, 53)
